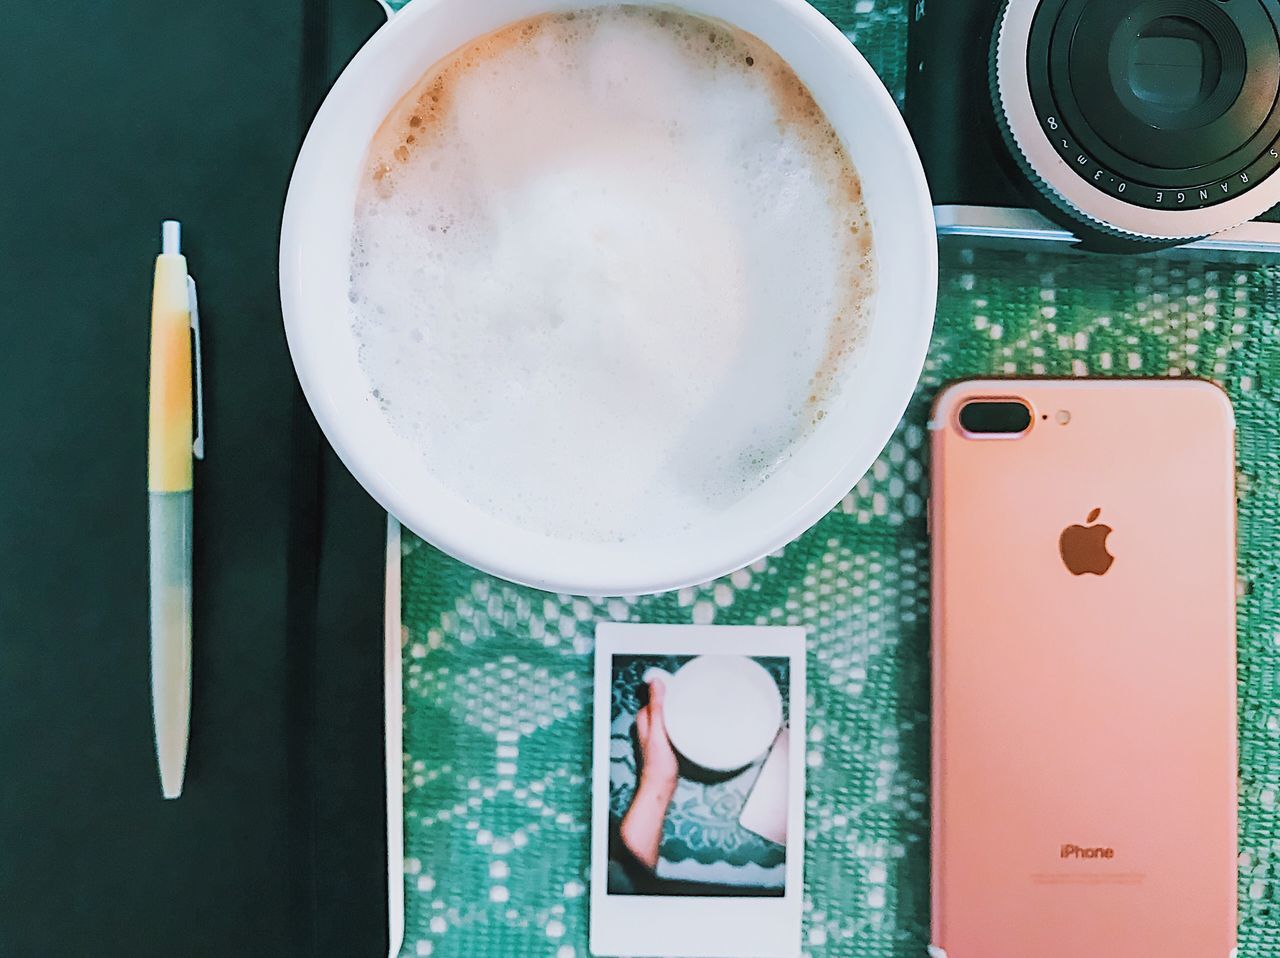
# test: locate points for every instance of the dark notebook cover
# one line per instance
(116, 115)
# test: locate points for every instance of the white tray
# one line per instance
(393, 696)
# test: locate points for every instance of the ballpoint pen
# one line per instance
(170, 450)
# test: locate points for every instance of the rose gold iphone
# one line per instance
(1084, 672)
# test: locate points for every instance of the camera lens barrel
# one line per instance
(1155, 119)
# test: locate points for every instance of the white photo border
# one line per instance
(696, 926)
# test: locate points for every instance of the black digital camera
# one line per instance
(1122, 125)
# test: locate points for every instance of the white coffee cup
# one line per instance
(722, 712)
(873, 390)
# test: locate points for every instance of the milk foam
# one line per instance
(605, 267)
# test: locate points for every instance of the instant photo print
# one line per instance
(698, 791)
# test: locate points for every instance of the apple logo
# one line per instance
(1084, 548)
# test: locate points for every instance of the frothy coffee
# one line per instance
(607, 268)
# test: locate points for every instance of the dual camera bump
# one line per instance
(1003, 418)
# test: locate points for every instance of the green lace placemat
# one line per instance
(498, 679)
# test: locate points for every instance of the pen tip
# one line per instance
(172, 774)
(170, 237)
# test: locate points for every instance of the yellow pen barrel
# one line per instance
(169, 434)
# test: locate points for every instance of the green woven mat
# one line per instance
(497, 678)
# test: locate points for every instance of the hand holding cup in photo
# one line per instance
(641, 827)
(660, 766)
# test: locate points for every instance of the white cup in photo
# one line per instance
(722, 712)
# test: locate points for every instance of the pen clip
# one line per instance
(197, 446)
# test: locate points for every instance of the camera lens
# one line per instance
(1157, 119)
(1169, 67)
(995, 417)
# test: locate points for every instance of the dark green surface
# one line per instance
(116, 115)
